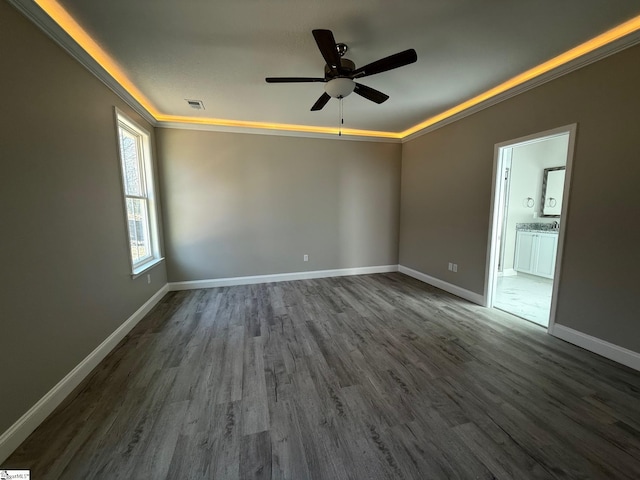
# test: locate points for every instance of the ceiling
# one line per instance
(220, 51)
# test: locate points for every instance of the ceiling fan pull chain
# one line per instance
(341, 110)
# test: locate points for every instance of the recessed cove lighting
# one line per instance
(59, 15)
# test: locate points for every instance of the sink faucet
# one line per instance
(555, 225)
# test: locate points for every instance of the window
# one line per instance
(139, 199)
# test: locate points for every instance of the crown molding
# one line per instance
(580, 62)
(273, 132)
(43, 21)
(40, 18)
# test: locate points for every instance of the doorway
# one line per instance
(530, 196)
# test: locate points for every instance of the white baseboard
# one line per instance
(608, 350)
(19, 431)
(442, 285)
(507, 272)
(280, 277)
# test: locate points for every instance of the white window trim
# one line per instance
(149, 179)
(142, 269)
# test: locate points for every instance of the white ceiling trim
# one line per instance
(587, 59)
(279, 133)
(33, 12)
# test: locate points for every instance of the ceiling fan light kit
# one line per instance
(339, 87)
(340, 73)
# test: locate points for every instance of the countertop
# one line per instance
(537, 227)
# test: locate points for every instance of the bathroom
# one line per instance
(529, 214)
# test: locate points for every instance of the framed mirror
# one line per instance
(552, 190)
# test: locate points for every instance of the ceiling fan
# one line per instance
(340, 73)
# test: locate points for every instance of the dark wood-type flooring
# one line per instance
(367, 377)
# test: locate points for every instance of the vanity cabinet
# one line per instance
(536, 253)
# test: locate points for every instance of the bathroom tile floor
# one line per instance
(526, 296)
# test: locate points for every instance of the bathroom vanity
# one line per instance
(536, 249)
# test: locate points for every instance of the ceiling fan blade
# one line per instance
(370, 93)
(327, 46)
(293, 79)
(322, 101)
(388, 63)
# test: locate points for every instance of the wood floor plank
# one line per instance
(365, 377)
(255, 456)
(288, 460)
(255, 409)
(155, 458)
(501, 464)
(228, 385)
(225, 434)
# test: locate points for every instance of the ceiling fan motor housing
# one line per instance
(338, 86)
(347, 67)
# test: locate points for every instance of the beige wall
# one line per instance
(238, 205)
(65, 283)
(446, 194)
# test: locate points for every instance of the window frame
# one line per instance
(148, 192)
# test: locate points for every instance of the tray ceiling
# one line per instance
(220, 51)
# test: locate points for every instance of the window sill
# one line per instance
(142, 269)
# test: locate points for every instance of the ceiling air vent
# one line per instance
(196, 104)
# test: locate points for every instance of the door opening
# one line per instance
(530, 196)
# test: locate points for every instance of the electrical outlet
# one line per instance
(306, 258)
(149, 278)
(450, 266)
(455, 268)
